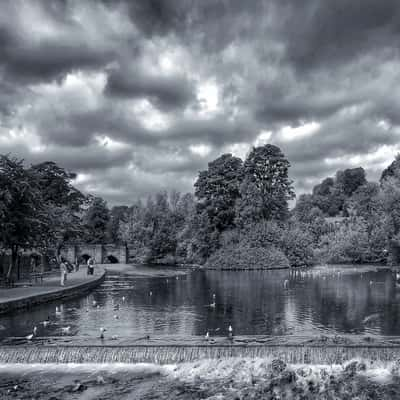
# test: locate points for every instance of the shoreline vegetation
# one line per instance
(238, 217)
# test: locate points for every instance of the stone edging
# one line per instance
(60, 294)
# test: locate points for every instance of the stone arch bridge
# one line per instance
(102, 253)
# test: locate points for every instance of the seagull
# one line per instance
(123, 298)
(230, 332)
(151, 293)
(34, 330)
(102, 330)
(46, 322)
(207, 335)
(66, 330)
(212, 305)
(116, 316)
(114, 337)
(94, 302)
(58, 311)
(29, 337)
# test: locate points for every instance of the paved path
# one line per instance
(50, 289)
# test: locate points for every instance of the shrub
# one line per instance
(298, 245)
(242, 256)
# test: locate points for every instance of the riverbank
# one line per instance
(26, 296)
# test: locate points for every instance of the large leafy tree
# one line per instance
(266, 187)
(118, 215)
(97, 219)
(21, 207)
(63, 206)
(217, 190)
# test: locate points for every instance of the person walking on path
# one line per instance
(90, 264)
(63, 271)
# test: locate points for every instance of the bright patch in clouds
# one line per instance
(263, 138)
(110, 143)
(150, 117)
(287, 133)
(202, 150)
(208, 97)
(237, 149)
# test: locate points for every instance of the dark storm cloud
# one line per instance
(166, 92)
(42, 57)
(330, 32)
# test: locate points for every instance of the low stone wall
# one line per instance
(58, 294)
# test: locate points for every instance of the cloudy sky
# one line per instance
(138, 96)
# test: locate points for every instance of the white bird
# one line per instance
(114, 337)
(29, 337)
(151, 294)
(207, 335)
(123, 298)
(58, 311)
(116, 316)
(102, 330)
(94, 302)
(34, 330)
(45, 323)
(212, 305)
(230, 331)
(66, 329)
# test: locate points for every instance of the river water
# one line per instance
(359, 301)
(323, 300)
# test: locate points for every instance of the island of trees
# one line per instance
(237, 218)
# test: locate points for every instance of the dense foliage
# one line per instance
(237, 218)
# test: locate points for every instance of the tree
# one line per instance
(63, 207)
(118, 214)
(392, 171)
(21, 207)
(96, 221)
(266, 187)
(350, 179)
(217, 190)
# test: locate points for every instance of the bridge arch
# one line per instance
(102, 253)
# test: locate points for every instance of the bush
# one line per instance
(242, 256)
(298, 245)
(349, 244)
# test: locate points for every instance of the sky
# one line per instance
(138, 96)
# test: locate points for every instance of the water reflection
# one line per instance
(324, 300)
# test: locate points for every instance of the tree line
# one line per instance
(237, 217)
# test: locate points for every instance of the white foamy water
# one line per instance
(207, 379)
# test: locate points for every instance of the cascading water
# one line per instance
(166, 354)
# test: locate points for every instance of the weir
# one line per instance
(169, 354)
